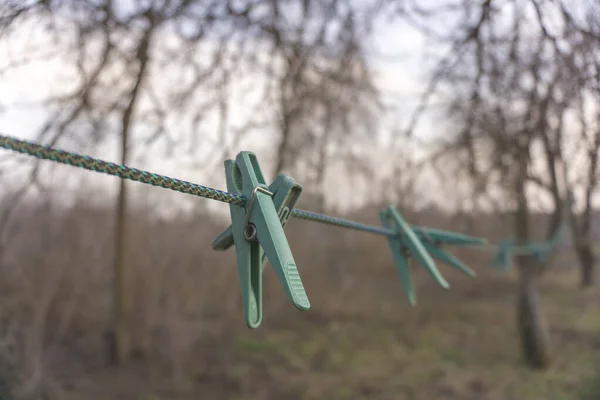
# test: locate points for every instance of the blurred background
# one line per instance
(479, 116)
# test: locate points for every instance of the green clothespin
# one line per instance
(433, 239)
(539, 251)
(257, 225)
(406, 244)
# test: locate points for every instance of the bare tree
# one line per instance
(509, 80)
(584, 41)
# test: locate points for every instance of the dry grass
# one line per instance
(359, 340)
(454, 345)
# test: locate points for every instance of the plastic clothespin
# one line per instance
(433, 239)
(539, 251)
(258, 225)
(406, 244)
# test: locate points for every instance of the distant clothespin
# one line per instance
(258, 227)
(433, 239)
(507, 249)
(404, 245)
(540, 251)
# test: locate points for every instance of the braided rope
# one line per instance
(121, 171)
(343, 223)
(150, 178)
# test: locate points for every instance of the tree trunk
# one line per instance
(121, 343)
(587, 261)
(120, 338)
(533, 330)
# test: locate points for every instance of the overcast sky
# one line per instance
(396, 57)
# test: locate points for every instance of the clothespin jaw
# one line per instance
(257, 225)
(433, 239)
(405, 244)
(286, 192)
(503, 257)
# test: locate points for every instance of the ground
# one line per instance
(456, 344)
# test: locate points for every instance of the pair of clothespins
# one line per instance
(423, 244)
(257, 232)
